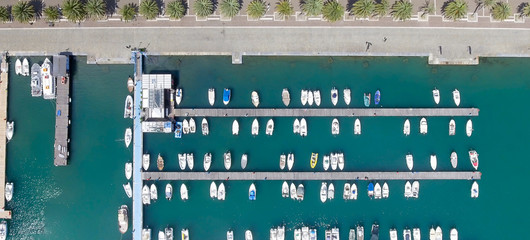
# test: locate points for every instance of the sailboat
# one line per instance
(436, 95)
(347, 96)
(334, 96)
(316, 95)
(323, 192)
(128, 136)
(169, 191)
(314, 159)
(255, 98)
(454, 159)
(303, 127)
(469, 128)
(146, 161)
(211, 96)
(255, 127)
(193, 127)
(182, 161)
(335, 127)
(296, 126)
(283, 160)
(386, 190)
(127, 110)
(146, 197)
(357, 127)
(226, 96)
(244, 161)
(423, 126)
(10, 130)
(303, 97)
(235, 127)
(190, 160)
(473, 157)
(252, 192)
(153, 192)
(377, 97)
(178, 95)
(406, 127)
(183, 192)
(227, 160)
(128, 170)
(326, 162)
(25, 67)
(434, 162)
(285, 189)
(130, 84)
(310, 98)
(207, 162)
(456, 97)
(205, 128)
(213, 190)
(452, 127)
(9, 191)
(290, 161)
(286, 97)
(123, 219)
(270, 127)
(377, 191)
(367, 99)
(160, 162)
(410, 161)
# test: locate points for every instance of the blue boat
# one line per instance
(178, 130)
(370, 190)
(367, 99)
(226, 96)
(252, 192)
(377, 97)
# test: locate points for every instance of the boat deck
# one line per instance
(137, 213)
(62, 123)
(4, 79)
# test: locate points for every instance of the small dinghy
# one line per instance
(10, 130)
(193, 127)
(377, 191)
(127, 110)
(18, 67)
(255, 98)
(318, 99)
(270, 127)
(178, 95)
(334, 96)
(123, 219)
(357, 127)
(185, 126)
(456, 97)
(160, 163)
(255, 127)
(347, 96)
(128, 170)
(386, 190)
(130, 84)
(335, 127)
(377, 97)
(473, 157)
(190, 160)
(408, 189)
(310, 98)
(452, 127)
(346, 193)
(296, 126)
(244, 161)
(227, 94)
(128, 137)
(454, 159)
(227, 160)
(283, 160)
(221, 193)
(183, 192)
(286, 97)
(434, 162)
(410, 161)
(213, 190)
(436, 95)
(406, 127)
(367, 99)
(205, 127)
(182, 161)
(146, 160)
(326, 162)
(415, 189)
(323, 192)
(303, 97)
(211, 96)
(290, 161)
(423, 126)
(235, 127)
(303, 127)
(146, 196)
(169, 191)
(9, 191)
(285, 189)
(153, 192)
(252, 192)
(469, 128)
(353, 194)
(292, 190)
(207, 161)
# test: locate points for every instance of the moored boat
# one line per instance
(334, 96)
(211, 96)
(326, 162)
(207, 162)
(9, 191)
(255, 127)
(351, 234)
(248, 235)
(452, 127)
(193, 127)
(128, 190)
(10, 130)
(128, 170)
(347, 96)
(300, 191)
(469, 128)
(285, 189)
(346, 193)
(454, 159)
(318, 99)
(331, 191)
(439, 233)
(423, 126)
(303, 127)
(360, 232)
(305, 233)
(297, 234)
(183, 192)
(182, 161)
(408, 189)
(18, 67)
(25, 67)
(370, 190)
(375, 231)
(230, 235)
(453, 234)
(244, 159)
(290, 161)
(353, 194)
(303, 97)
(146, 234)
(286, 97)
(213, 190)
(436, 95)
(456, 97)
(434, 162)
(128, 136)
(227, 160)
(36, 82)
(335, 128)
(292, 191)
(323, 192)
(416, 234)
(357, 127)
(178, 95)
(178, 130)
(410, 161)
(432, 234)
(334, 161)
(161, 235)
(190, 160)
(406, 127)
(146, 159)
(340, 157)
(386, 190)
(169, 191)
(235, 127)
(185, 234)
(312, 234)
(335, 233)
(169, 233)
(185, 126)
(393, 234)
(270, 127)
(407, 234)
(48, 81)
(474, 190)
(153, 192)
(205, 128)
(227, 94)
(146, 196)
(367, 99)
(254, 97)
(377, 191)
(252, 192)
(296, 126)
(314, 159)
(3, 228)
(127, 110)
(310, 98)
(377, 98)
(130, 84)
(123, 219)
(415, 189)
(283, 160)
(473, 157)
(160, 162)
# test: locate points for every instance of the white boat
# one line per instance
(185, 234)
(303, 97)
(305, 233)
(296, 126)
(298, 234)
(283, 160)
(221, 193)
(303, 127)
(452, 127)
(310, 98)
(190, 160)
(393, 234)
(273, 233)
(357, 127)
(123, 219)
(335, 233)
(346, 193)
(146, 234)
(292, 190)
(351, 234)
(213, 190)
(183, 192)
(25, 67)
(161, 235)
(331, 191)
(146, 196)
(255, 98)
(182, 161)
(334, 96)
(36, 83)
(290, 161)
(235, 127)
(354, 193)
(436, 95)
(408, 189)
(205, 128)
(473, 157)
(154, 192)
(169, 191)
(474, 190)
(207, 162)
(335, 128)
(9, 191)
(185, 126)
(341, 160)
(456, 97)
(334, 161)
(211, 96)
(244, 159)
(178, 95)
(416, 234)
(438, 233)
(193, 127)
(347, 96)
(169, 233)
(386, 190)
(377, 191)
(300, 191)
(410, 161)
(454, 234)
(285, 189)
(312, 234)
(128, 170)
(432, 234)
(469, 128)
(318, 99)
(454, 159)
(415, 189)
(423, 126)
(407, 234)
(10, 130)
(248, 235)
(434, 162)
(128, 137)
(18, 67)
(360, 232)
(270, 127)
(406, 127)
(3, 226)
(48, 82)
(323, 192)
(130, 84)
(255, 127)
(286, 97)
(128, 189)
(227, 160)
(326, 162)
(230, 235)
(252, 192)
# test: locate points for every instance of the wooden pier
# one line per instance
(324, 112)
(4, 79)
(62, 115)
(324, 176)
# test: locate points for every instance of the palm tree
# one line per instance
(381, 8)
(455, 10)
(333, 11)
(203, 8)
(128, 12)
(4, 14)
(51, 14)
(256, 8)
(363, 8)
(312, 7)
(402, 10)
(73, 10)
(23, 12)
(284, 8)
(229, 8)
(501, 11)
(428, 8)
(176, 9)
(149, 9)
(525, 11)
(95, 9)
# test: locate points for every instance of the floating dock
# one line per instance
(324, 176)
(62, 109)
(137, 208)
(324, 112)
(4, 79)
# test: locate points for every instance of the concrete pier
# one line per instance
(137, 208)
(62, 110)
(4, 79)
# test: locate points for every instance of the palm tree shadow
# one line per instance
(38, 6)
(161, 6)
(520, 7)
(444, 6)
(349, 5)
(110, 7)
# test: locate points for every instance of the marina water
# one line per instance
(80, 201)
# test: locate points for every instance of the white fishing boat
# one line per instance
(406, 127)
(297, 234)
(292, 191)
(273, 232)
(416, 234)
(456, 97)
(407, 235)
(357, 127)
(432, 234)
(285, 189)
(205, 128)
(296, 126)
(283, 160)
(211, 96)
(334, 96)
(123, 219)
(423, 126)
(318, 99)
(346, 193)
(146, 234)
(130, 84)
(227, 160)
(161, 235)
(305, 233)
(252, 192)
(335, 233)
(255, 98)
(290, 161)
(300, 191)
(474, 190)
(326, 162)
(270, 127)
(386, 190)
(360, 232)
(3, 224)
(235, 127)
(323, 192)
(377, 191)
(255, 127)
(434, 162)
(193, 127)
(190, 160)
(185, 126)
(354, 193)
(334, 161)
(169, 191)
(408, 189)
(310, 98)
(248, 235)
(207, 161)
(335, 128)
(213, 190)
(25, 67)
(182, 161)
(410, 161)
(178, 95)
(347, 96)
(303, 97)
(303, 127)
(244, 159)
(286, 97)
(393, 234)
(351, 234)
(469, 128)
(48, 81)
(331, 191)
(128, 137)
(36, 82)
(473, 157)
(10, 130)
(453, 234)
(452, 127)
(438, 233)
(183, 192)
(415, 189)
(128, 190)
(221, 193)
(169, 233)
(160, 163)
(454, 159)
(185, 234)
(436, 95)
(340, 157)
(9, 191)
(230, 235)
(146, 196)
(128, 170)
(18, 67)
(153, 192)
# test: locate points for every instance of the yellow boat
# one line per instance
(314, 159)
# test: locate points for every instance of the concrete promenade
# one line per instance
(4, 80)
(138, 144)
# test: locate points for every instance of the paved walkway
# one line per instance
(3, 119)
(138, 144)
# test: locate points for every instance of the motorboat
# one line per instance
(303, 97)
(473, 157)
(130, 84)
(3, 228)
(281, 232)
(351, 234)
(334, 96)
(286, 97)
(252, 192)
(406, 127)
(128, 190)
(314, 159)
(423, 126)
(211, 96)
(178, 95)
(128, 170)
(244, 159)
(386, 190)
(334, 161)
(182, 161)
(326, 162)
(227, 156)
(48, 81)
(185, 126)
(408, 189)
(407, 235)
(305, 233)
(375, 232)
(248, 235)
(377, 98)
(318, 99)
(255, 98)
(146, 234)
(146, 159)
(323, 192)
(357, 127)
(10, 130)
(292, 191)
(290, 161)
(255, 127)
(128, 136)
(360, 232)
(335, 233)
(310, 98)
(235, 127)
(9, 191)
(456, 97)
(221, 192)
(312, 234)
(416, 234)
(335, 128)
(183, 192)
(18, 67)
(353, 194)
(434, 162)
(410, 161)
(285, 189)
(169, 191)
(185, 234)
(331, 191)
(377, 191)
(347, 96)
(454, 159)
(436, 95)
(283, 160)
(193, 127)
(226, 96)
(123, 219)
(367, 99)
(160, 163)
(207, 161)
(474, 190)
(190, 160)
(415, 189)
(432, 234)
(300, 191)
(393, 234)
(303, 127)
(169, 233)
(270, 127)
(153, 192)
(178, 130)
(452, 127)
(296, 126)
(453, 234)
(161, 235)
(346, 193)
(146, 196)
(230, 235)
(370, 190)
(469, 128)
(341, 160)
(213, 190)
(36, 82)
(205, 128)
(298, 234)
(327, 234)
(438, 233)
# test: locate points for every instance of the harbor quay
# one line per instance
(4, 80)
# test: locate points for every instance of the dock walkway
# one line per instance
(4, 79)
(137, 213)
(62, 122)
(324, 112)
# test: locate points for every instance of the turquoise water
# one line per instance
(80, 201)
